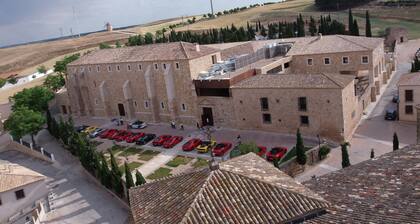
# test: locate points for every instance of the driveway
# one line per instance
(76, 198)
(373, 131)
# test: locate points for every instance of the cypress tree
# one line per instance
(372, 153)
(114, 165)
(263, 31)
(105, 175)
(350, 22)
(129, 183)
(395, 142)
(312, 26)
(355, 29)
(368, 25)
(300, 149)
(345, 160)
(139, 179)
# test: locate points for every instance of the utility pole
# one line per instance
(211, 3)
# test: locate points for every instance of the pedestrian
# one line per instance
(238, 139)
(181, 126)
(198, 125)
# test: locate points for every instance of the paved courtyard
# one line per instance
(373, 131)
(76, 198)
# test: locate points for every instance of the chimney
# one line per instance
(197, 47)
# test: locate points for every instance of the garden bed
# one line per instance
(147, 155)
(160, 173)
(132, 166)
(179, 160)
(199, 163)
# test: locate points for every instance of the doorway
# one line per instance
(121, 109)
(207, 116)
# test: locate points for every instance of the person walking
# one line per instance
(181, 126)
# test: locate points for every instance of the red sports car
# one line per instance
(160, 140)
(122, 136)
(221, 148)
(262, 150)
(172, 141)
(108, 133)
(134, 137)
(276, 153)
(191, 144)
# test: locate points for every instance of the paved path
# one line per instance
(373, 131)
(77, 199)
(157, 161)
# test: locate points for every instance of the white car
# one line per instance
(137, 125)
(96, 132)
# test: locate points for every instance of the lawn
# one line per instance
(130, 151)
(179, 160)
(160, 173)
(132, 166)
(147, 155)
(117, 149)
(200, 163)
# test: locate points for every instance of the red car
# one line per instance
(108, 133)
(160, 140)
(172, 141)
(262, 150)
(221, 148)
(134, 137)
(122, 136)
(276, 153)
(191, 144)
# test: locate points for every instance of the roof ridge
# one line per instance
(183, 49)
(342, 37)
(199, 192)
(332, 80)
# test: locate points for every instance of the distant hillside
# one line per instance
(339, 4)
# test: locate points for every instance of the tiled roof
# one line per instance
(412, 79)
(240, 191)
(151, 52)
(333, 44)
(13, 176)
(382, 190)
(312, 81)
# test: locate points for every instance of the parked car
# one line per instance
(115, 134)
(221, 148)
(391, 115)
(134, 137)
(395, 98)
(191, 144)
(81, 128)
(89, 129)
(145, 139)
(122, 136)
(108, 133)
(160, 140)
(96, 132)
(262, 150)
(206, 146)
(174, 140)
(137, 124)
(276, 153)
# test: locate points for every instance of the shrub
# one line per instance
(323, 152)
(2, 82)
(12, 80)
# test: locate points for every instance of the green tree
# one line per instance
(104, 46)
(35, 98)
(129, 182)
(300, 149)
(105, 173)
(345, 160)
(148, 38)
(2, 82)
(66, 130)
(350, 22)
(312, 26)
(60, 66)
(355, 29)
(368, 25)
(118, 44)
(117, 184)
(246, 148)
(139, 179)
(54, 82)
(372, 153)
(114, 164)
(42, 69)
(24, 121)
(12, 80)
(395, 142)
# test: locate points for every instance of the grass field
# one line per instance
(179, 160)
(147, 155)
(160, 173)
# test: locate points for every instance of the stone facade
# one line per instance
(409, 96)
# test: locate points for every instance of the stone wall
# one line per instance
(292, 168)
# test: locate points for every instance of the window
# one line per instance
(345, 60)
(327, 61)
(64, 109)
(286, 65)
(19, 194)
(302, 104)
(266, 118)
(177, 65)
(365, 59)
(109, 68)
(128, 67)
(90, 69)
(139, 67)
(214, 59)
(156, 66)
(409, 95)
(146, 104)
(304, 120)
(118, 67)
(98, 68)
(264, 103)
(162, 105)
(409, 109)
(96, 101)
(310, 61)
(183, 107)
(164, 66)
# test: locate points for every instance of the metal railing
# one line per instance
(37, 148)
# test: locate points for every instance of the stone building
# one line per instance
(409, 96)
(206, 84)
(395, 35)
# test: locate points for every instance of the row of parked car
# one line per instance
(168, 141)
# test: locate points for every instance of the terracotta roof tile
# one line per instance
(412, 79)
(13, 176)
